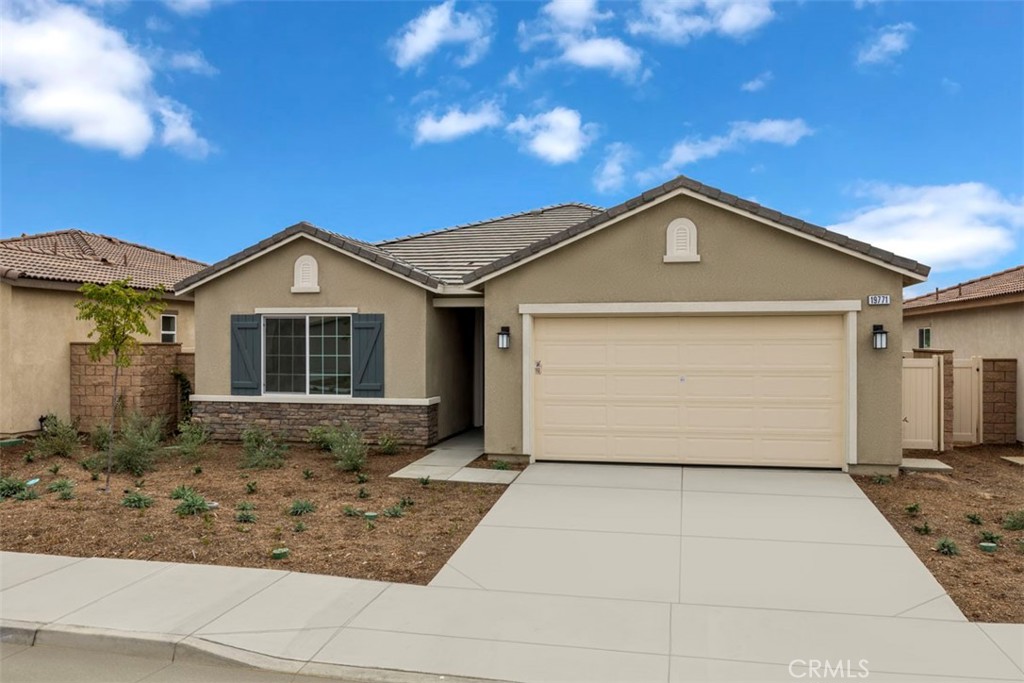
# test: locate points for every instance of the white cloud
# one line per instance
(65, 71)
(575, 15)
(610, 176)
(441, 25)
(944, 226)
(785, 132)
(189, 7)
(679, 21)
(556, 136)
(456, 123)
(757, 83)
(950, 86)
(888, 43)
(193, 61)
(603, 53)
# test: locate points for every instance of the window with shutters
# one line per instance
(307, 354)
(681, 242)
(307, 275)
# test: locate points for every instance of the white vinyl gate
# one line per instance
(922, 403)
(967, 400)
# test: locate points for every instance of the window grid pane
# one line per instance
(330, 359)
(285, 355)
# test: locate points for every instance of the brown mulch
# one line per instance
(986, 587)
(407, 549)
(483, 463)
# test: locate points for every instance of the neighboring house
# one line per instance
(982, 317)
(39, 276)
(685, 325)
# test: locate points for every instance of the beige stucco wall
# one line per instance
(989, 332)
(450, 370)
(266, 283)
(741, 260)
(36, 329)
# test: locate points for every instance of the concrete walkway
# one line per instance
(578, 573)
(449, 459)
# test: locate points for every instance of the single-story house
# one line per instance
(982, 317)
(39, 276)
(685, 325)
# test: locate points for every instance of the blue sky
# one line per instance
(201, 127)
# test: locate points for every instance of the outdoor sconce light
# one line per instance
(504, 338)
(879, 337)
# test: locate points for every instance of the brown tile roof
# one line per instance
(79, 256)
(453, 253)
(1009, 281)
(711, 193)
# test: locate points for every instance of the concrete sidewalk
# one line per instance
(578, 573)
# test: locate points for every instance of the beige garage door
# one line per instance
(752, 390)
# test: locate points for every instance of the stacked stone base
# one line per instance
(999, 400)
(226, 420)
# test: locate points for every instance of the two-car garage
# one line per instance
(720, 389)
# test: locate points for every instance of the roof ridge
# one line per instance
(364, 243)
(495, 219)
(11, 242)
(965, 282)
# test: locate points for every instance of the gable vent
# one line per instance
(681, 242)
(307, 275)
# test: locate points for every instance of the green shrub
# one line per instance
(946, 546)
(361, 478)
(56, 438)
(424, 481)
(406, 502)
(388, 443)
(991, 537)
(393, 511)
(197, 470)
(301, 507)
(191, 504)
(307, 474)
(925, 529)
(66, 494)
(251, 487)
(60, 485)
(363, 493)
(349, 451)
(54, 469)
(181, 492)
(261, 450)
(244, 513)
(323, 438)
(135, 447)
(28, 493)
(881, 479)
(1014, 521)
(299, 527)
(137, 499)
(914, 509)
(99, 437)
(350, 511)
(192, 439)
(975, 519)
(10, 487)
(501, 465)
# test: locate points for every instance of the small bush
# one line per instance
(991, 537)
(424, 481)
(350, 511)
(361, 478)
(10, 487)
(301, 507)
(135, 447)
(406, 502)
(323, 438)
(881, 479)
(946, 546)
(925, 529)
(299, 527)
(914, 509)
(54, 470)
(393, 511)
(26, 494)
(307, 474)
(192, 439)
(501, 465)
(95, 476)
(181, 492)
(197, 470)
(60, 485)
(349, 451)
(137, 500)
(66, 494)
(99, 437)
(261, 450)
(1014, 521)
(192, 504)
(251, 487)
(975, 519)
(246, 506)
(245, 515)
(388, 443)
(363, 493)
(57, 438)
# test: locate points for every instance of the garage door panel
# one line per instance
(741, 390)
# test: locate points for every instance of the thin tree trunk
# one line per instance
(113, 416)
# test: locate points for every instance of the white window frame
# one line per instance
(306, 317)
(923, 332)
(174, 317)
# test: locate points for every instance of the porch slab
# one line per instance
(450, 458)
(1014, 459)
(481, 476)
(924, 465)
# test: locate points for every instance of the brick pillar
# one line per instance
(947, 390)
(999, 400)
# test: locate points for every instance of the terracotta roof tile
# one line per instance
(79, 256)
(1009, 281)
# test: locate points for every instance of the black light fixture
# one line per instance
(879, 337)
(504, 338)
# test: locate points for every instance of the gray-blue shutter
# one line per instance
(246, 345)
(368, 355)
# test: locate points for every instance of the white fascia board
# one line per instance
(695, 308)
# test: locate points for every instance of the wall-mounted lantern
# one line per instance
(504, 338)
(879, 337)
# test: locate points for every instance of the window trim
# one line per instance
(923, 332)
(174, 317)
(304, 315)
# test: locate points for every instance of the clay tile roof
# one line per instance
(1009, 281)
(79, 256)
(452, 253)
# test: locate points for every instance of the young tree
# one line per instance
(118, 313)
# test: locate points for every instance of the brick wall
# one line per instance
(147, 386)
(947, 390)
(999, 400)
(411, 425)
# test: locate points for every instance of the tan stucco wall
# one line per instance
(36, 329)
(266, 283)
(741, 260)
(450, 370)
(989, 332)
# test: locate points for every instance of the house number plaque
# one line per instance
(879, 300)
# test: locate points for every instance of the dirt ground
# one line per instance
(986, 587)
(408, 549)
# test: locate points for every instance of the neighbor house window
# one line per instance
(681, 242)
(310, 354)
(168, 329)
(924, 337)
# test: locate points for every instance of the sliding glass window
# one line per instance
(309, 354)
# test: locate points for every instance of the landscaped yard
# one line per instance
(411, 548)
(981, 488)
